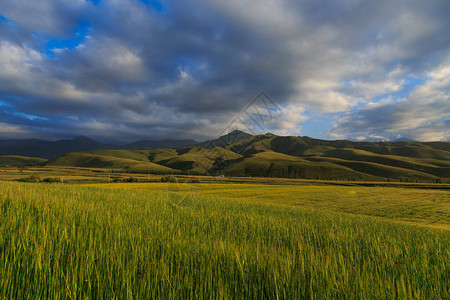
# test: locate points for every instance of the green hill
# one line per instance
(269, 155)
(128, 160)
(194, 160)
(20, 161)
(273, 164)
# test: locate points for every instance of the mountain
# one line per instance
(50, 149)
(225, 140)
(269, 155)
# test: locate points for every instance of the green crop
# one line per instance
(77, 242)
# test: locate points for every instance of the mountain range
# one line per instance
(241, 154)
(53, 149)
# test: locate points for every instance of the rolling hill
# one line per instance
(408, 161)
(20, 161)
(126, 160)
(195, 160)
(269, 155)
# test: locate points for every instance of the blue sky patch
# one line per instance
(96, 2)
(80, 34)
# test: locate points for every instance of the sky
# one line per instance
(126, 70)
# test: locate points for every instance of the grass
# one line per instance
(60, 241)
(73, 174)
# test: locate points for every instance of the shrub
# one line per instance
(52, 179)
(117, 179)
(131, 179)
(194, 180)
(169, 178)
(31, 178)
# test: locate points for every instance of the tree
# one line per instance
(219, 165)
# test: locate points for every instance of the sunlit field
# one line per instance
(425, 207)
(246, 241)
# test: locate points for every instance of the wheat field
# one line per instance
(111, 242)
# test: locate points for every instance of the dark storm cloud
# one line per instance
(188, 68)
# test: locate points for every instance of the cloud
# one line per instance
(48, 17)
(188, 68)
(424, 114)
(12, 131)
(289, 122)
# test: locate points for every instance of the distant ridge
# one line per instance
(52, 149)
(49, 149)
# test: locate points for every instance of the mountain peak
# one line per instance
(237, 131)
(234, 136)
(82, 140)
(227, 139)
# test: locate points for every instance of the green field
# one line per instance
(119, 241)
(424, 207)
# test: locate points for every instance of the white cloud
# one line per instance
(288, 121)
(423, 115)
(16, 61)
